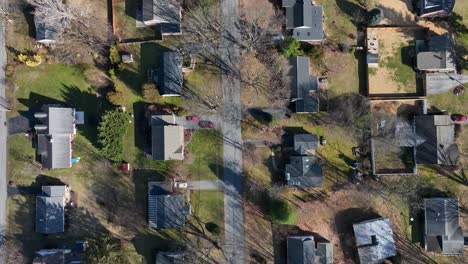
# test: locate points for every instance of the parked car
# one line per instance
(206, 124)
(193, 118)
(181, 185)
(459, 118)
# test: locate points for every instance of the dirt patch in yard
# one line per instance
(394, 74)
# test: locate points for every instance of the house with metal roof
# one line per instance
(435, 8)
(166, 210)
(167, 139)
(170, 75)
(436, 54)
(305, 250)
(46, 33)
(304, 19)
(374, 241)
(50, 209)
(304, 87)
(442, 231)
(55, 130)
(304, 172)
(438, 133)
(163, 13)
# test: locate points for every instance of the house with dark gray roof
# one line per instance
(436, 54)
(304, 87)
(46, 33)
(166, 210)
(374, 241)
(72, 255)
(170, 77)
(305, 144)
(304, 19)
(167, 139)
(163, 13)
(55, 131)
(304, 172)
(305, 250)
(438, 133)
(50, 209)
(435, 8)
(442, 231)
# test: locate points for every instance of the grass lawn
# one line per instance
(206, 149)
(400, 63)
(208, 207)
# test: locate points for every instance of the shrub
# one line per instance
(213, 228)
(280, 212)
(314, 52)
(112, 74)
(116, 98)
(111, 130)
(114, 55)
(291, 47)
(374, 17)
(150, 93)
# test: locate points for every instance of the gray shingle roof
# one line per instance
(437, 54)
(171, 79)
(305, 250)
(165, 210)
(304, 172)
(54, 138)
(170, 258)
(430, 6)
(166, 13)
(439, 135)
(301, 250)
(167, 142)
(374, 240)
(305, 143)
(50, 213)
(443, 232)
(305, 19)
(305, 87)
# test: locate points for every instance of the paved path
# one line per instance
(206, 185)
(232, 143)
(3, 138)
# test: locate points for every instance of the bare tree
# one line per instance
(80, 34)
(11, 251)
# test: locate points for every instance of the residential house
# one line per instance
(50, 209)
(61, 255)
(304, 87)
(305, 250)
(170, 76)
(46, 33)
(442, 231)
(170, 258)
(166, 210)
(163, 13)
(55, 129)
(438, 133)
(304, 169)
(374, 240)
(304, 19)
(436, 55)
(52, 256)
(435, 8)
(305, 144)
(167, 138)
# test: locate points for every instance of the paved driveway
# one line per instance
(18, 124)
(439, 83)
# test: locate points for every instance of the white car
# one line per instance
(181, 185)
